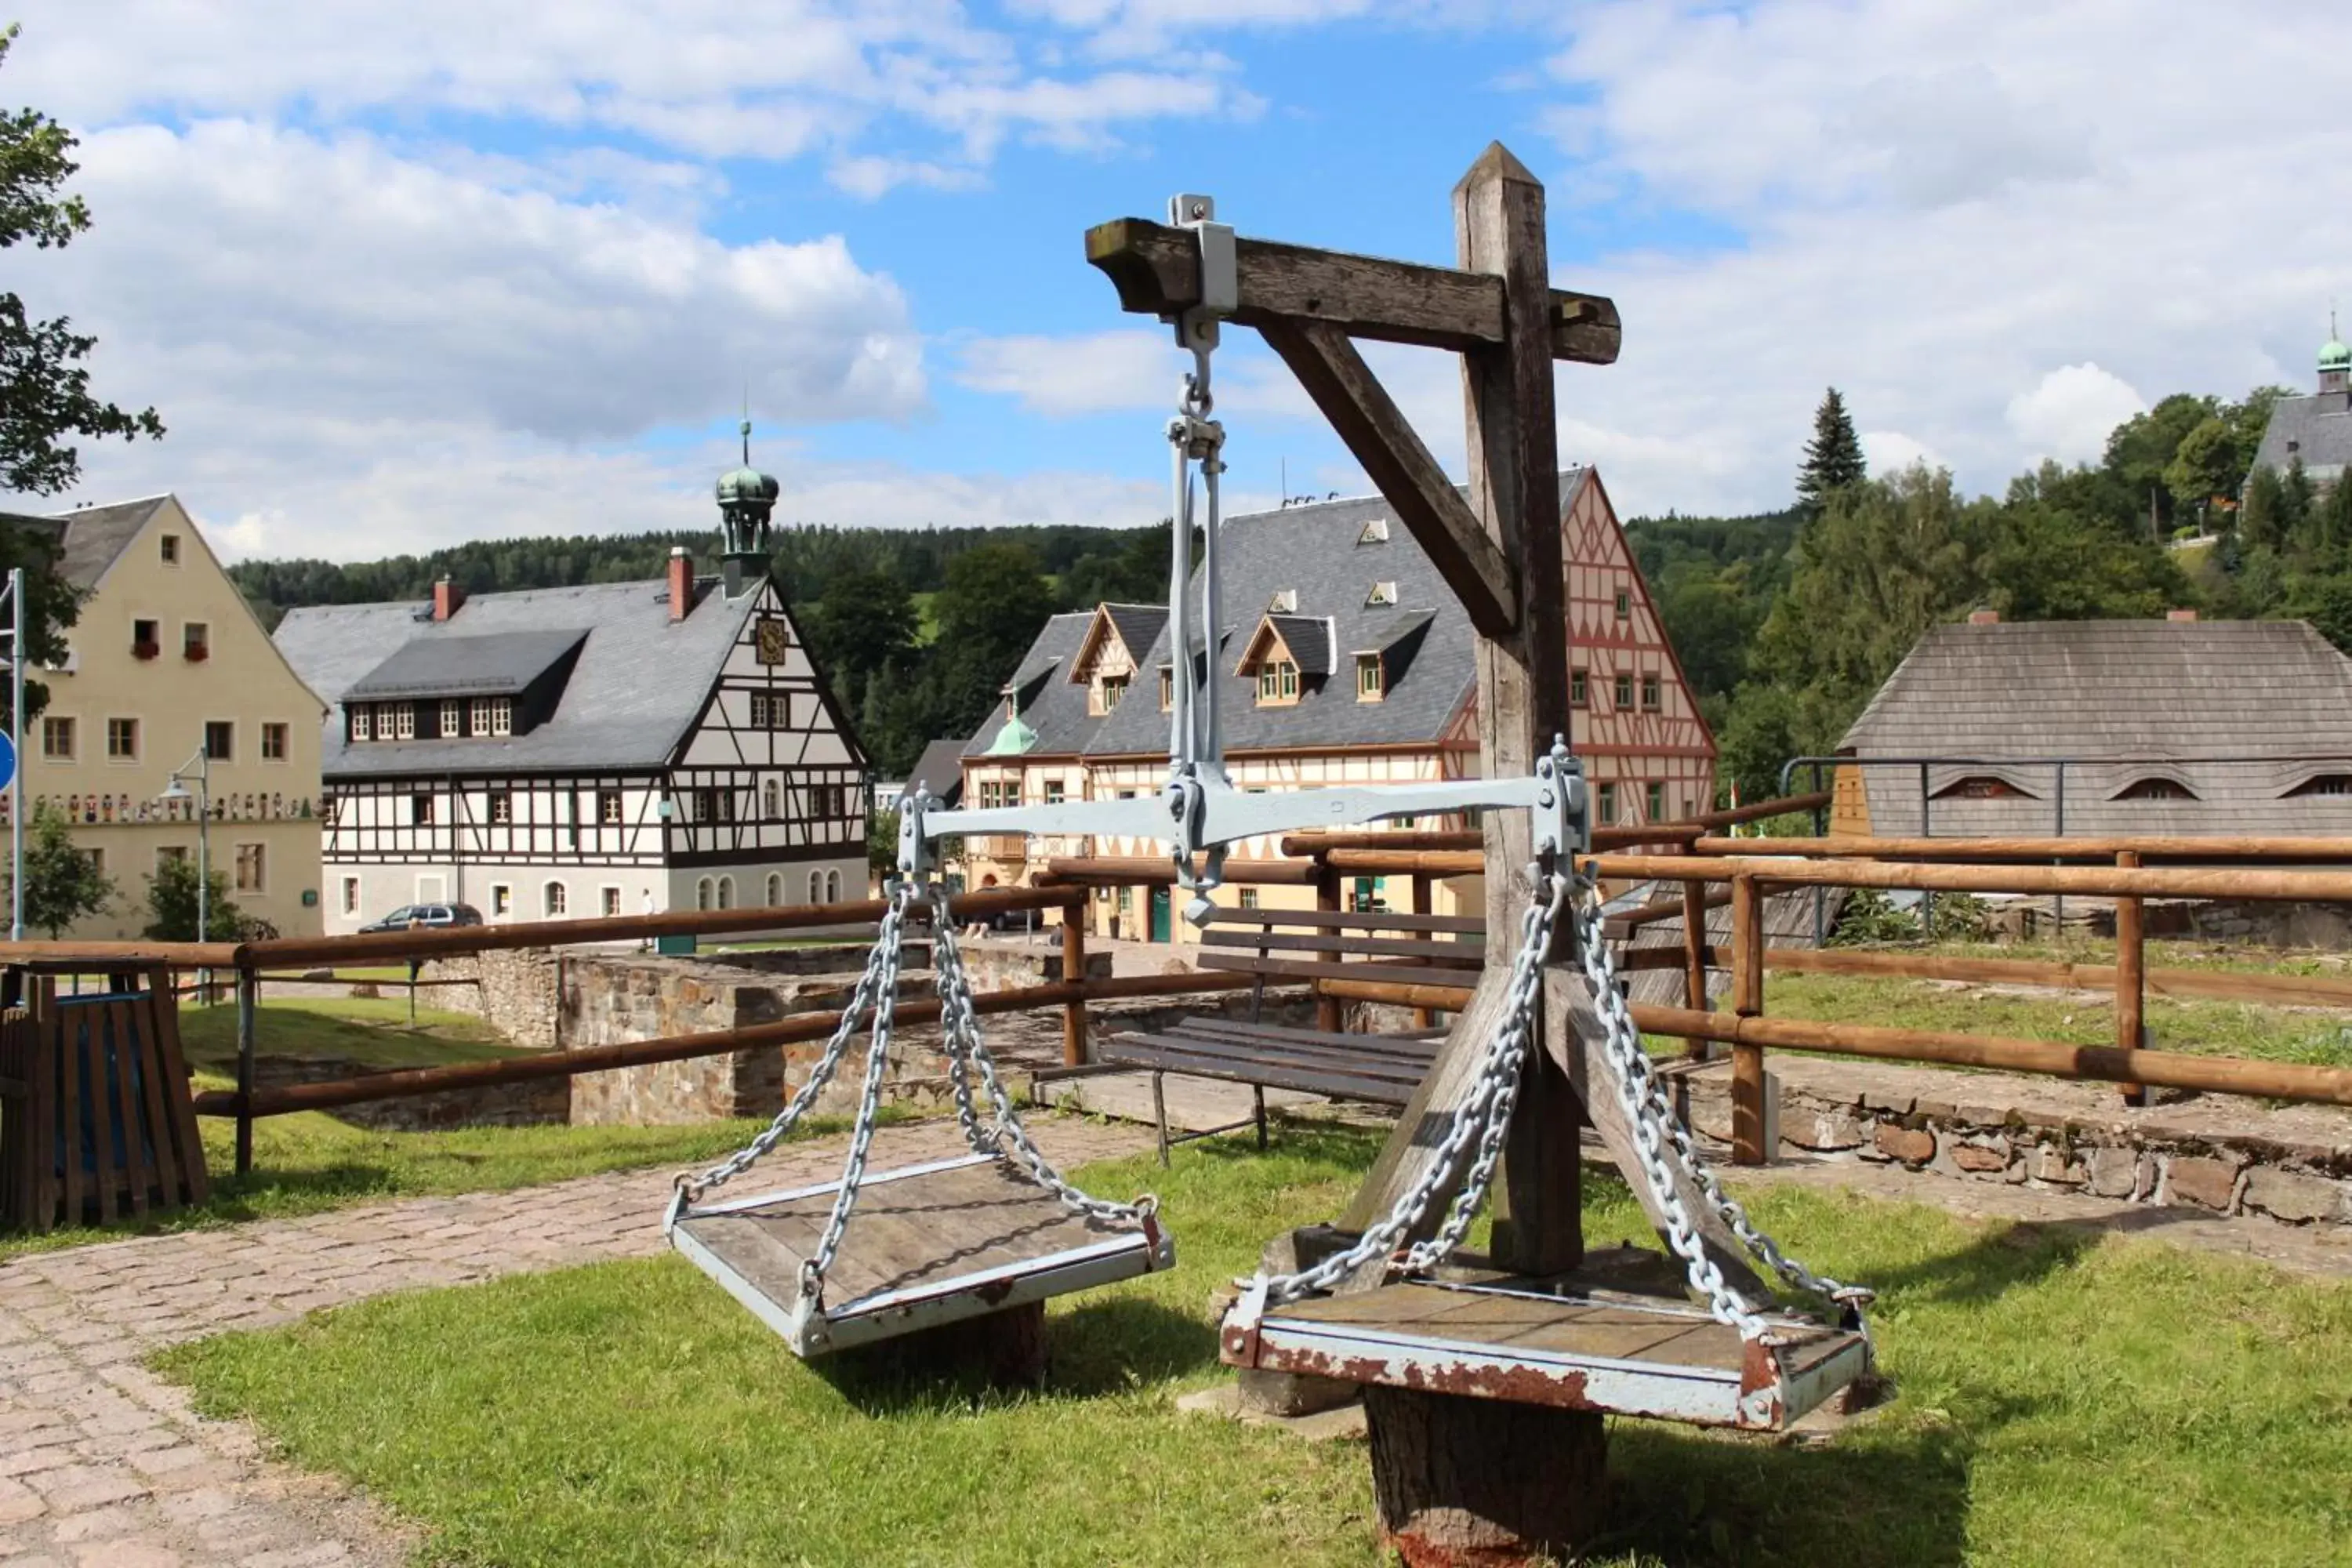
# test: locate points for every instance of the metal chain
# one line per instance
(885, 953)
(1485, 1117)
(1666, 1145)
(960, 1027)
(870, 1100)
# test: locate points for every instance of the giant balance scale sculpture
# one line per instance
(1486, 1378)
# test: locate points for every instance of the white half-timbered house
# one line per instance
(612, 748)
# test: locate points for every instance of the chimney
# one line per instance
(681, 583)
(1984, 618)
(448, 599)
(2180, 614)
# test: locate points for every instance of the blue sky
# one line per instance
(402, 272)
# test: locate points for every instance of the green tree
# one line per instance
(1834, 458)
(2261, 521)
(2295, 498)
(63, 883)
(172, 905)
(2142, 448)
(45, 394)
(2205, 466)
(995, 602)
(865, 619)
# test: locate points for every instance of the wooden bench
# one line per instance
(1339, 954)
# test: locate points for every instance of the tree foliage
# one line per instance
(45, 397)
(1833, 457)
(63, 883)
(172, 905)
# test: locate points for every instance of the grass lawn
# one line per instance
(2064, 1401)
(2204, 1029)
(371, 1030)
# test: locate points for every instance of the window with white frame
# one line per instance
(362, 721)
(726, 892)
(351, 895)
(816, 888)
(608, 900)
(453, 719)
(702, 891)
(553, 899)
(273, 742)
(832, 887)
(774, 890)
(501, 898)
(251, 868)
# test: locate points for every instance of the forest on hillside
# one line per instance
(1785, 622)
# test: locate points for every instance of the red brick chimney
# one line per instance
(448, 599)
(681, 583)
(2180, 614)
(1984, 618)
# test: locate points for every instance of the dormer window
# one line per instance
(1108, 692)
(1382, 593)
(1371, 679)
(170, 545)
(1277, 683)
(452, 720)
(1284, 603)
(2156, 787)
(1376, 532)
(362, 726)
(1167, 688)
(2325, 783)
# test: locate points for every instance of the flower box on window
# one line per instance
(199, 652)
(145, 649)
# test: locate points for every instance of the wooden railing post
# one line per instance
(1748, 1001)
(2131, 978)
(1328, 1017)
(1695, 955)
(1074, 972)
(1424, 902)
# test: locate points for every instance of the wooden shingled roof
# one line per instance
(2139, 705)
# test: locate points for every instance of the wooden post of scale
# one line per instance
(1695, 955)
(1328, 1017)
(2131, 978)
(1424, 902)
(1457, 1479)
(1748, 1086)
(1074, 972)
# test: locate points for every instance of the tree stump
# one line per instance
(1462, 1482)
(1000, 1350)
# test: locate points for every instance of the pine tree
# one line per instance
(1832, 458)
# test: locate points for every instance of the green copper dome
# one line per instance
(747, 485)
(1014, 738)
(2334, 355)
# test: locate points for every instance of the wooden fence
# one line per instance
(1709, 871)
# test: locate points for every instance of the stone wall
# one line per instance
(539, 1103)
(513, 989)
(2292, 1165)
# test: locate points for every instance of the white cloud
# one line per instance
(1124, 369)
(1892, 451)
(2068, 413)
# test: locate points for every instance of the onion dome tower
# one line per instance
(746, 499)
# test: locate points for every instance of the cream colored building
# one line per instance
(166, 661)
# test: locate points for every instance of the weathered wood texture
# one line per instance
(1459, 1481)
(1748, 1087)
(1157, 271)
(2131, 978)
(1376, 432)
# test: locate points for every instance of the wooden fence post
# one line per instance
(1074, 972)
(248, 994)
(1695, 956)
(1748, 1001)
(2131, 978)
(1423, 898)
(1326, 896)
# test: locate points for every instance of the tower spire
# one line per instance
(746, 499)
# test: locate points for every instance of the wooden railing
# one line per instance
(1707, 870)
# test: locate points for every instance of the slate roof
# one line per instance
(1308, 638)
(1138, 625)
(1050, 704)
(2149, 696)
(92, 536)
(489, 664)
(636, 691)
(1312, 550)
(2318, 428)
(939, 769)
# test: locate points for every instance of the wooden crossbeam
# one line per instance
(1360, 408)
(1157, 270)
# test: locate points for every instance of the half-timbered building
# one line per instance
(608, 749)
(1344, 658)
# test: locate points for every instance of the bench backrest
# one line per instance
(1320, 945)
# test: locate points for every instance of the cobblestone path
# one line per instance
(104, 1465)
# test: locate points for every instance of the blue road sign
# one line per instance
(8, 759)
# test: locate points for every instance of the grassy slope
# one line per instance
(371, 1030)
(2063, 1402)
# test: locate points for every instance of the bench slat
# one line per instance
(1388, 1047)
(1349, 919)
(1342, 945)
(1339, 1084)
(1303, 969)
(1294, 1056)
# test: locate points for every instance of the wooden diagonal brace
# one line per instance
(1385, 443)
(1157, 270)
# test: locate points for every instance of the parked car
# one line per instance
(427, 915)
